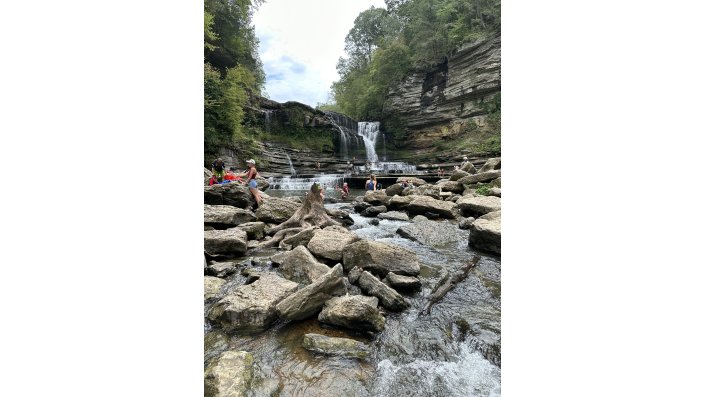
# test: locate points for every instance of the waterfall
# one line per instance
(348, 143)
(369, 130)
(327, 181)
(267, 119)
(292, 170)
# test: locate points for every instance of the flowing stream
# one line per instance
(453, 351)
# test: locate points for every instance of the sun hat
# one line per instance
(250, 161)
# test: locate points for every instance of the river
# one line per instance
(453, 351)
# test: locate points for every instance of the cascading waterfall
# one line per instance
(327, 181)
(292, 170)
(369, 130)
(347, 137)
(267, 119)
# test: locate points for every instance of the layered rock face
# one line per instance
(437, 104)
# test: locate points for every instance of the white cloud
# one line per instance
(300, 43)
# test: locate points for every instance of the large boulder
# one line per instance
(465, 223)
(251, 307)
(308, 301)
(376, 197)
(388, 297)
(496, 182)
(402, 283)
(486, 233)
(479, 205)
(211, 286)
(457, 174)
(395, 189)
(495, 191)
(254, 230)
(276, 210)
(343, 217)
(331, 346)
(355, 312)
(451, 186)
(330, 242)
(425, 190)
(422, 205)
(469, 168)
(412, 180)
(480, 177)
(229, 241)
(226, 215)
(235, 194)
(222, 269)
(300, 238)
(430, 233)
(262, 183)
(491, 164)
(400, 202)
(299, 265)
(360, 205)
(374, 210)
(381, 258)
(230, 375)
(394, 216)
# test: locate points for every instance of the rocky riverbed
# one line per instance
(338, 310)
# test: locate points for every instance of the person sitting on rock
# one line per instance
(218, 169)
(465, 162)
(213, 180)
(371, 184)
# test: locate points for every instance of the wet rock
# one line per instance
(454, 198)
(377, 197)
(401, 202)
(480, 177)
(235, 194)
(230, 241)
(276, 210)
(495, 191)
(451, 186)
(212, 286)
(330, 242)
(261, 261)
(230, 375)
(299, 265)
(341, 216)
(327, 345)
(254, 230)
(308, 301)
(388, 297)
(422, 205)
(394, 216)
(222, 269)
(374, 210)
(465, 223)
(301, 238)
(491, 164)
(412, 180)
(402, 283)
(426, 190)
(226, 215)
(480, 205)
(251, 307)
(352, 312)
(430, 233)
(374, 222)
(419, 218)
(486, 233)
(381, 258)
(361, 206)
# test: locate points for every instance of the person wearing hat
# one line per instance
(251, 182)
(464, 163)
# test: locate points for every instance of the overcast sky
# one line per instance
(300, 43)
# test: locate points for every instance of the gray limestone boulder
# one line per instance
(422, 205)
(235, 194)
(393, 190)
(388, 297)
(374, 210)
(495, 191)
(479, 205)
(381, 258)
(426, 190)
(331, 346)
(491, 165)
(252, 307)
(486, 233)
(230, 375)
(457, 174)
(276, 210)
(465, 223)
(330, 242)
(430, 233)
(212, 286)
(221, 269)
(226, 215)
(394, 216)
(451, 186)
(299, 265)
(353, 312)
(412, 180)
(400, 202)
(469, 168)
(402, 283)
(309, 300)
(341, 216)
(229, 241)
(300, 238)
(254, 230)
(377, 197)
(480, 177)
(419, 218)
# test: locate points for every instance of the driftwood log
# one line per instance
(448, 283)
(311, 213)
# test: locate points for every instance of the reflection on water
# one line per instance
(453, 351)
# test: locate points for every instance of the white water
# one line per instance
(328, 181)
(292, 170)
(369, 130)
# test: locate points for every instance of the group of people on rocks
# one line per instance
(250, 175)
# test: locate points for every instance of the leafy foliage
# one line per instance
(483, 190)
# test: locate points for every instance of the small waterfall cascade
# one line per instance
(292, 170)
(369, 130)
(267, 119)
(327, 182)
(348, 142)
